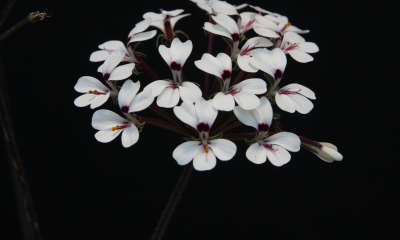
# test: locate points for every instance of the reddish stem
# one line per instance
(164, 125)
(215, 86)
(310, 142)
(250, 75)
(146, 67)
(230, 126)
(222, 123)
(168, 30)
(228, 50)
(238, 78)
(240, 136)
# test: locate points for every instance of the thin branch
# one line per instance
(6, 11)
(238, 78)
(230, 126)
(30, 226)
(222, 123)
(14, 28)
(146, 67)
(166, 216)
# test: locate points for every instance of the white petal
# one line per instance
(84, 100)
(185, 152)
(177, 18)
(309, 47)
(288, 140)
(189, 92)
(143, 36)
(173, 12)
(205, 111)
(266, 32)
(278, 157)
(154, 16)
(256, 153)
(253, 85)
(302, 104)
(257, 42)
(141, 101)
(246, 117)
(223, 149)
(86, 83)
(294, 87)
(98, 56)
(225, 60)
(227, 22)
(128, 91)
(99, 100)
(158, 86)
(112, 61)
(300, 56)
(217, 29)
(168, 98)
(223, 102)
(330, 152)
(285, 103)
(113, 45)
(187, 114)
(247, 100)
(122, 72)
(180, 51)
(263, 113)
(245, 65)
(292, 28)
(165, 54)
(159, 25)
(105, 119)
(205, 7)
(130, 136)
(293, 38)
(223, 7)
(210, 64)
(266, 23)
(204, 161)
(107, 135)
(140, 27)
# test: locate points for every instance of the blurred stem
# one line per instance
(222, 123)
(164, 125)
(230, 126)
(14, 28)
(6, 11)
(29, 225)
(166, 216)
(240, 136)
(146, 67)
(238, 78)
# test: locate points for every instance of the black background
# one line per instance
(83, 189)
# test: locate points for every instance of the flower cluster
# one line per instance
(201, 117)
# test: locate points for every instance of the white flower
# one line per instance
(271, 62)
(295, 45)
(276, 17)
(225, 27)
(244, 55)
(201, 116)
(245, 21)
(220, 66)
(137, 34)
(243, 93)
(293, 97)
(273, 147)
(325, 151)
(161, 16)
(267, 28)
(215, 7)
(111, 72)
(108, 48)
(96, 94)
(111, 124)
(176, 56)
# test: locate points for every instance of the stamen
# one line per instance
(206, 149)
(115, 128)
(287, 25)
(94, 91)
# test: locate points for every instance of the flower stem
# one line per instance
(14, 28)
(164, 125)
(230, 126)
(29, 225)
(222, 123)
(146, 67)
(240, 136)
(250, 75)
(166, 216)
(167, 116)
(6, 11)
(238, 78)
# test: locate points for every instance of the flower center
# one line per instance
(203, 127)
(286, 25)
(94, 91)
(175, 66)
(278, 74)
(235, 37)
(226, 75)
(125, 109)
(270, 147)
(262, 127)
(247, 49)
(233, 92)
(206, 148)
(106, 76)
(115, 128)
(288, 91)
(290, 46)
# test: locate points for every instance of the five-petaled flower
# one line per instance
(295, 45)
(203, 151)
(96, 93)
(293, 97)
(271, 147)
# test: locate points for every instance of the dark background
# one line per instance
(83, 189)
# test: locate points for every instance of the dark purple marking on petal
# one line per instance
(278, 74)
(175, 66)
(262, 127)
(226, 75)
(106, 76)
(203, 127)
(270, 147)
(235, 37)
(125, 109)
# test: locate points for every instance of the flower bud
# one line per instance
(326, 151)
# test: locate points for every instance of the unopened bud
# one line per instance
(326, 151)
